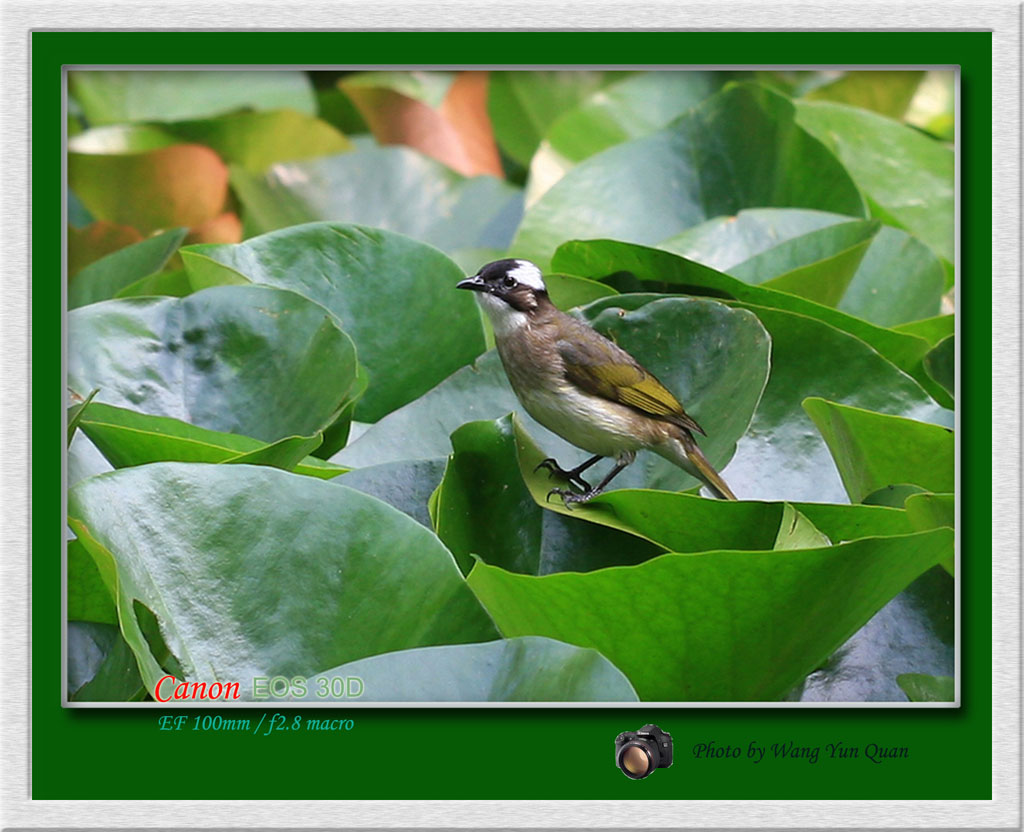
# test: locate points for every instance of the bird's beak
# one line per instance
(474, 283)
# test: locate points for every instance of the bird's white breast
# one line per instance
(594, 424)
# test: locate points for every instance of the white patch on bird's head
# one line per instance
(528, 275)
(504, 319)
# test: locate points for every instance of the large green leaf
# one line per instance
(523, 104)
(907, 176)
(110, 96)
(665, 271)
(873, 450)
(782, 456)
(739, 149)
(396, 297)
(106, 277)
(236, 359)
(512, 670)
(127, 437)
(899, 278)
(484, 508)
(252, 571)
(724, 625)
(255, 140)
(628, 109)
(713, 358)
(395, 188)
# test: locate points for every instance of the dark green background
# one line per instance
(401, 754)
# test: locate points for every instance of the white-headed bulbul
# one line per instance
(581, 385)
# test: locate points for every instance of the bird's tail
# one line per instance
(685, 453)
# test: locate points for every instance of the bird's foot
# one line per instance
(573, 498)
(556, 471)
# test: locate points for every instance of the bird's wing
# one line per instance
(603, 369)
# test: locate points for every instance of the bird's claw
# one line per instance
(569, 498)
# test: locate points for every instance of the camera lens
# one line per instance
(639, 753)
(635, 761)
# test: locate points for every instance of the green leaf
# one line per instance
(104, 278)
(88, 597)
(818, 266)
(940, 363)
(781, 456)
(894, 495)
(739, 149)
(524, 104)
(394, 296)
(712, 636)
(251, 571)
(127, 438)
(75, 414)
(394, 188)
(101, 666)
(920, 687)
(255, 140)
(873, 450)
(932, 330)
(236, 359)
(931, 511)
(899, 278)
(907, 176)
(885, 91)
(484, 508)
(567, 291)
(428, 86)
(407, 485)
(628, 109)
(513, 670)
(110, 96)
(797, 532)
(172, 283)
(714, 359)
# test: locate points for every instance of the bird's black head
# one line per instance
(517, 283)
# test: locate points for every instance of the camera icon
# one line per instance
(638, 753)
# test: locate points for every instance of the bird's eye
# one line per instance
(508, 282)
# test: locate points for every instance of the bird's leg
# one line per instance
(571, 498)
(572, 477)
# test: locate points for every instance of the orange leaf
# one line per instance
(458, 134)
(181, 185)
(225, 228)
(97, 240)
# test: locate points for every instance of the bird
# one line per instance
(582, 386)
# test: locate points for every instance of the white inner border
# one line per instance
(1003, 811)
